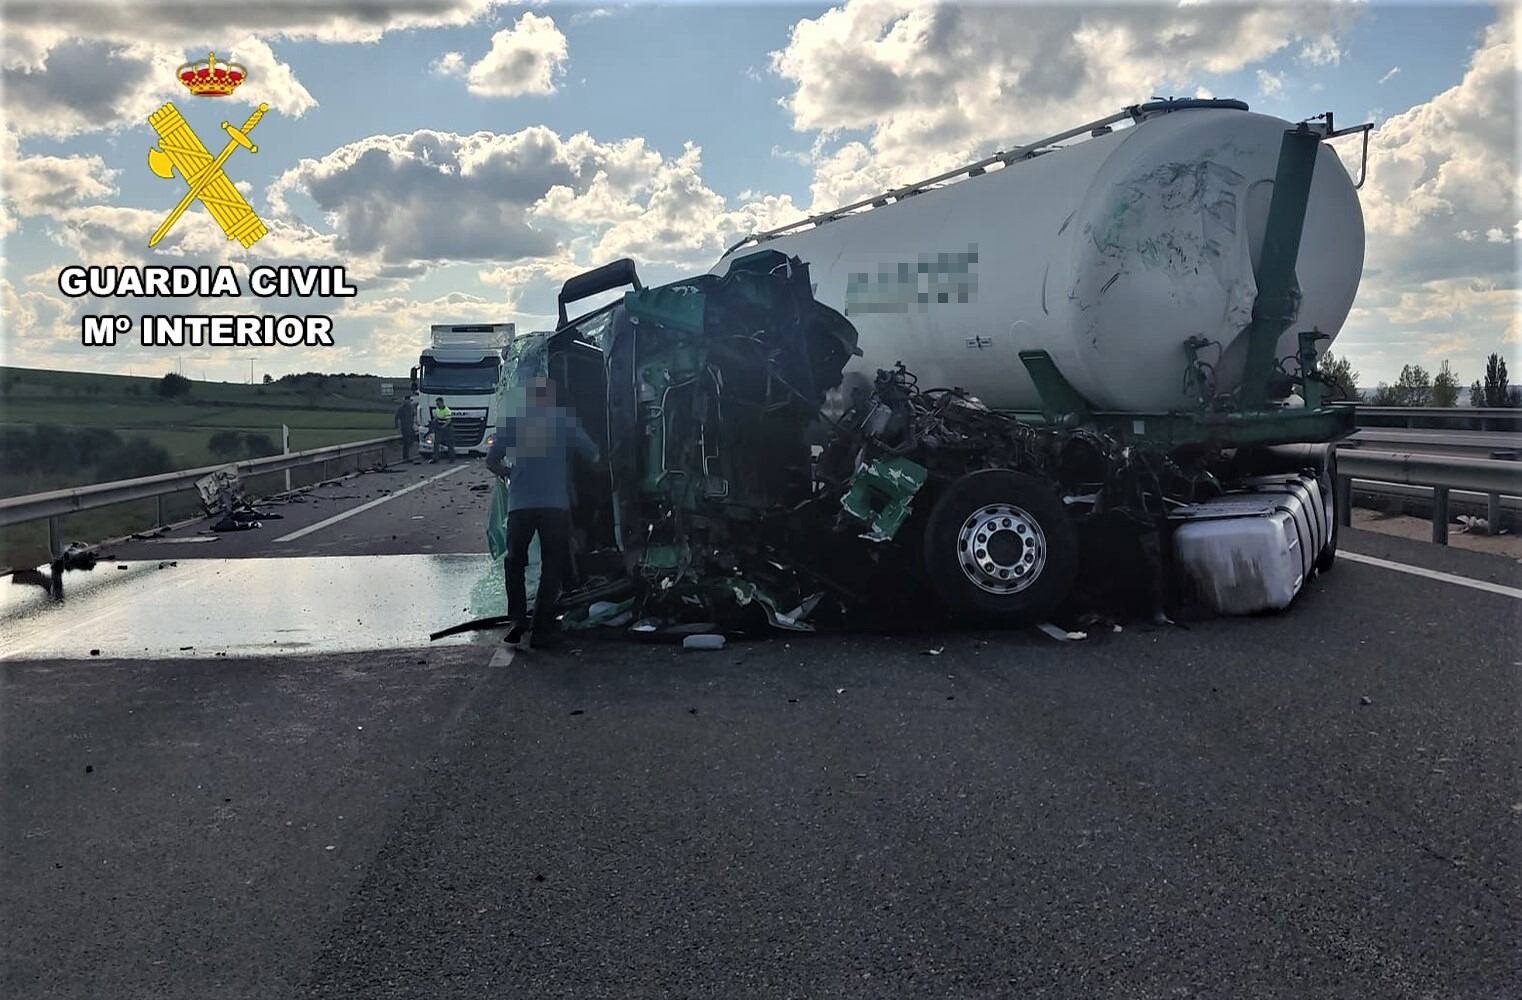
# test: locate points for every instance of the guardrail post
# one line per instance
(1440, 515)
(1344, 500)
(54, 546)
(1493, 500)
(158, 511)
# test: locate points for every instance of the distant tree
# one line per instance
(173, 385)
(1338, 372)
(16, 452)
(137, 457)
(1445, 387)
(1496, 390)
(268, 378)
(225, 444)
(53, 449)
(93, 444)
(1413, 388)
(259, 445)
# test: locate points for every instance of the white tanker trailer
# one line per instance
(1108, 254)
(1060, 378)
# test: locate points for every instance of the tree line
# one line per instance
(1416, 386)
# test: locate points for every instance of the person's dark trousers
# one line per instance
(445, 439)
(406, 444)
(553, 526)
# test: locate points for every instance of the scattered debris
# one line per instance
(935, 650)
(1365, 700)
(706, 641)
(1061, 635)
(94, 652)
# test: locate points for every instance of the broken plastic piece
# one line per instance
(703, 642)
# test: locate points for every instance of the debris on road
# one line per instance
(1061, 635)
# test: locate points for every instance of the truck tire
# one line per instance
(1328, 556)
(1000, 549)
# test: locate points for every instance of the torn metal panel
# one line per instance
(879, 495)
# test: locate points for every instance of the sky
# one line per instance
(462, 158)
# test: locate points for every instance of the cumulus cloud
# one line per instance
(935, 85)
(1452, 160)
(39, 185)
(72, 66)
(1441, 208)
(193, 24)
(527, 58)
(96, 84)
(1270, 84)
(449, 64)
(1322, 51)
(532, 195)
(591, 14)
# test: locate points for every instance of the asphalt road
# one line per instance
(1320, 803)
(437, 508)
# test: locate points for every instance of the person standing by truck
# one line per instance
(438, 422)
(406, 425)
(542, 437)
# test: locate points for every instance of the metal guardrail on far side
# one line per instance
(1441, 473)
(57, 503)
(1477, 418)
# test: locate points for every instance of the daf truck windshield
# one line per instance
(443, 377)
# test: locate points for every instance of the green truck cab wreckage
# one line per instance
(738, 490)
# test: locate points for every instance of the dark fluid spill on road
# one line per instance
(244, 607)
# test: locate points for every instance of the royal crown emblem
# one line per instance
(212, 79)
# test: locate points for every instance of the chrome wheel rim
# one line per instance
(1001, 548)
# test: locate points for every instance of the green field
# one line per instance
(319, 410)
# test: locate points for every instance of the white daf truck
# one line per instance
(461, 364)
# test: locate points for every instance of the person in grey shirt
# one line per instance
(542, 438)
(406, 425)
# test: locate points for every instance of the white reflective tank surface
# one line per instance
(1108, 254)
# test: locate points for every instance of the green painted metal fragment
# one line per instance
(880, 493)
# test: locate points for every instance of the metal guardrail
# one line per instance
(1483, 418)
(56, 503)
(1441, 473)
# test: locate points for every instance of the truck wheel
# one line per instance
(1000, 548)
(1328, 557)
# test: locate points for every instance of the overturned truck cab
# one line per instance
(737, 487)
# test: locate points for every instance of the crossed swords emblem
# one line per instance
(182, 150)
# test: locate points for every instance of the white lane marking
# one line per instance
(502, 657)
(1463, 581)
(303, 532)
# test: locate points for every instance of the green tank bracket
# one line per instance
(1278, 301)
(1060, 402)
